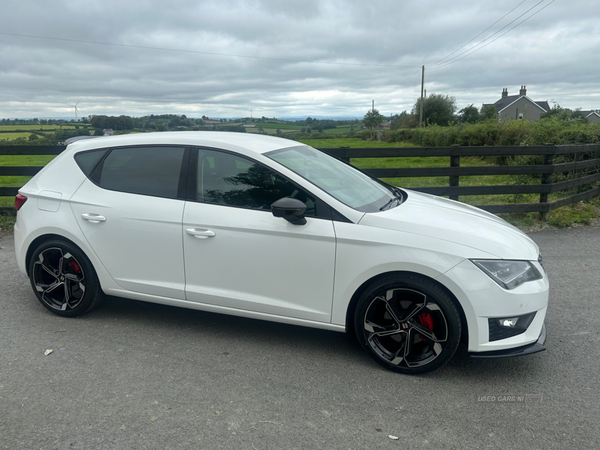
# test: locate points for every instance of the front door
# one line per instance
(238, 255)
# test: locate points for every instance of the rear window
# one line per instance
(87, 160)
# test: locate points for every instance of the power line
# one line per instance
(468, 42)
(494, 40)
(166, 49)
(396, 86)
(490, 36)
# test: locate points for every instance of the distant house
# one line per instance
(250, 125)
(518, 107)
(591, 116)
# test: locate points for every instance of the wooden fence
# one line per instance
(583, 172)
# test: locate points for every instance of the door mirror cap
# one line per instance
(291, 209)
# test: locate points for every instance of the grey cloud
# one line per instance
(555, 53)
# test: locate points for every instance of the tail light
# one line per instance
(19, 201)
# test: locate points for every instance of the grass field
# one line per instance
(13, 136)
(352, 143)
(38, 127)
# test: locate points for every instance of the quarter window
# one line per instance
(232, 180)
(141, 170)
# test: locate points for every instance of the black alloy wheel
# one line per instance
(408, 324)
(63, 279)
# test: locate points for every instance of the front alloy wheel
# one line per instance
(408, 324)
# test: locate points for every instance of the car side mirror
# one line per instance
(291, 209)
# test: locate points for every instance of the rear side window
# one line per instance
(88, 160)
(151, 171)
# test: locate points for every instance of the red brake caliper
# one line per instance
(426, 320)
(75, 267)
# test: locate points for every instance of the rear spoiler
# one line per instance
(79, 138)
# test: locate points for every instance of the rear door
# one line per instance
(130, 211)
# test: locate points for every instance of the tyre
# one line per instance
(408, 324)
(63, 279)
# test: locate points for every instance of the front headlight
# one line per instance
(508, 274)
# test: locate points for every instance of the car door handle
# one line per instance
(93, 218)
(200, 233)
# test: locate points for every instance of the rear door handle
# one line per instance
(93, 218)
(200, 233)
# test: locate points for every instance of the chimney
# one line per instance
(523, 90)
(504, 93)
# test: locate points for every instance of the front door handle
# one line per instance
(93, 218)
(200, 233)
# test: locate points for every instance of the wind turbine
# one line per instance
(76, 110)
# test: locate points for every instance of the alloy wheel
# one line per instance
(405, 328)
(59, 279)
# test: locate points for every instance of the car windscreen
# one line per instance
(340, 180)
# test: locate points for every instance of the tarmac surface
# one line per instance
(142, 376)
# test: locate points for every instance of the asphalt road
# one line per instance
(133, 375)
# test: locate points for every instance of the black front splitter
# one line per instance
(518, 351)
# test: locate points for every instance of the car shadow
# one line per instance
(181, 323)
(194, 324)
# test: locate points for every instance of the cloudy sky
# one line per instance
(283, 58)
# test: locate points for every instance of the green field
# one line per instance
(352, 143)
(39, 127)
(13, 136)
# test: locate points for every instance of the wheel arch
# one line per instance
(358, 293)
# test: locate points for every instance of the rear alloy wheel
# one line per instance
(63, 279)
(408, 324)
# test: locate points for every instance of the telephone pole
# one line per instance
(422, 99)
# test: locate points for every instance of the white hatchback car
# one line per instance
(271, 229)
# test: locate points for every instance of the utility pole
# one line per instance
(422, 99)
(372, 105)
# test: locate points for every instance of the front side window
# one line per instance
(232, 180)
(151, 171)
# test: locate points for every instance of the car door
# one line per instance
(238, 255)
(130, 211)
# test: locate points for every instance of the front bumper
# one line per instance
(529, 349)
(483, 300)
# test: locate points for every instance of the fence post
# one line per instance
(577, 157)
(345, 158)
(454, 179)
(546, 178)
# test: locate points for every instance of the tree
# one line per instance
(489, 112)
(373, 119)
(469, 114)
(438, 109)
(404, 120)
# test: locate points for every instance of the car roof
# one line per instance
(251, 143)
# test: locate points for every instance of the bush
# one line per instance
(551, 130)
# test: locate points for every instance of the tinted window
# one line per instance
(142, 170)
(233, 180)
(88, 160)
